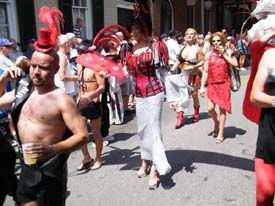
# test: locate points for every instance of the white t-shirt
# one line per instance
(5, 62)
(173, 49)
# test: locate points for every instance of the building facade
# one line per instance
(19, 18)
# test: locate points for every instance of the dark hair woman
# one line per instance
(142, 64)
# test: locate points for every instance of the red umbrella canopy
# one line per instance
(99, 63)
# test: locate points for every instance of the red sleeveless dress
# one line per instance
(218, 90)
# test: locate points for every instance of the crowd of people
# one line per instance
(56, 72)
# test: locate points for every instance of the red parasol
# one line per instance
(97, 62)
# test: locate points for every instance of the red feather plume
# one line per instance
(109, 33)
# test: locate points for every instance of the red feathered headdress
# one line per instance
(108, 38)
(142, 17)
(48, 36)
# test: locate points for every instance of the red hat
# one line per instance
(48, 36)
(44, 43)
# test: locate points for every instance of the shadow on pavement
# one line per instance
(188, 119)
(129, 115)
(179, 160)
(231, 132)
(185, 159)
(123, 136)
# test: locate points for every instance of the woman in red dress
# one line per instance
(216, 73)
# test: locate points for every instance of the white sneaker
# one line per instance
(109, 138)
(243, 69)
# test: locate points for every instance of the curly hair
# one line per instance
(219, 34)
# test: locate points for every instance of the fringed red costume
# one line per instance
(143, 68)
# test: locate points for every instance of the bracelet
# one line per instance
(273, 101)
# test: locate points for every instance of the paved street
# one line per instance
(204, 173)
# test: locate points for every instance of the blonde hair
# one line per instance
(193, 31)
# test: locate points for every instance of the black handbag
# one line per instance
(235, 79)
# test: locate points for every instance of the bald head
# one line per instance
(50, 58)
(43, 68)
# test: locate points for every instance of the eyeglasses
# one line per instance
(218, 40)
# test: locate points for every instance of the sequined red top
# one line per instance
(143, 68)
(218, 69)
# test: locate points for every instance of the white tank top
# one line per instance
(190, 53)
(70, 86)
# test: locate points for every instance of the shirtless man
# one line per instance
(46, 118)
(92, 85)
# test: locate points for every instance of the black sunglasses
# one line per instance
(218, 40)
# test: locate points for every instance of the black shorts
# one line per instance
(92, 111)
(33, 185)
(49, 192)
(44, 182)
(7, 158)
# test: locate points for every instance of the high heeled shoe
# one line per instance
(142, 173)
(154, 184)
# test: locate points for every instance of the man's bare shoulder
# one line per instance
(53, 97)
(61, 95)
(57, 98)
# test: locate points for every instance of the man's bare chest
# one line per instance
(39, 110)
